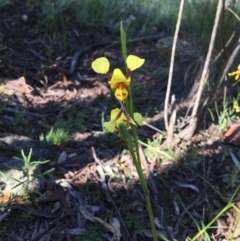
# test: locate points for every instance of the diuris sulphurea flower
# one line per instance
(236, 107)
(236, 73)
(118, 81)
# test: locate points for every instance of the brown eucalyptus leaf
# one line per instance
(232, 136)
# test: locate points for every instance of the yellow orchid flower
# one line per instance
(134, 62)
(236, 73)
(119, 82)
(236, 107)
(118, 117)
(101, 65)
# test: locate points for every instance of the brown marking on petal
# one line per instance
(121, 92)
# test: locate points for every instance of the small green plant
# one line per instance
(57, 136)
(93, 232)
(234, 179)
(154, 147)
(27, 216)
(133, 222)
(27, 171)
(224, 115)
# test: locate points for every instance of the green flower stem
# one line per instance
(136, 159)
(131, 143)
(130, 106)
(123, 39)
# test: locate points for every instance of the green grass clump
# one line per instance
(139, 16)
(56, 136)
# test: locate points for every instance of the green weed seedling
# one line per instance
(57, 136)
(27, 169)
(234, 178)
(133, 222)
(224, 115)
(93, 232)
(27, 216)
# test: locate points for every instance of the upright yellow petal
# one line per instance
(101, 65)
(134, 62)
(118, 77)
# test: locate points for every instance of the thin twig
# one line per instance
(235, 15)
(97, 160)
(172, 65)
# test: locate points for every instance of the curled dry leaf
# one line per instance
(232, 136)
(235, 160)
(106, 225)
(75, 231)
(2, 216)
(5, 196)
(116, 224)
(66, 184)
(191, 186)
(177, 209)
(101, 173)
(16, 86)
(86, 213)
(158, 223)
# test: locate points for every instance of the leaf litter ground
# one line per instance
(94, 187)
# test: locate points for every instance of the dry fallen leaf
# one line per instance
(2, 216)
(16, 86)
(232, 135)
(116, 224)
(62, 158)
(5, 197)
